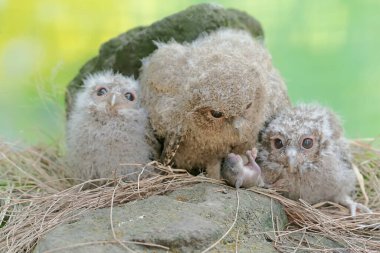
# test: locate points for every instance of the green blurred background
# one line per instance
(327, 51)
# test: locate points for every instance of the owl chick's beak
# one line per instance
(113, 100)
(238, 123)
(291, 153)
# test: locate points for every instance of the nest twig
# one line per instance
(36, 196)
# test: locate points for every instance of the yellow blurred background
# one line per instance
(327, 51)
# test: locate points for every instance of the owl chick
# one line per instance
(238, 174)
(210, 97)
(305, 148)
(108, 133)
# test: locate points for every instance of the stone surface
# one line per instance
(317, 242)
(124, 53)
(186, 220)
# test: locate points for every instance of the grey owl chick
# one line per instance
(240, 174)
(210, 97)
(304, 148)
(108, 130)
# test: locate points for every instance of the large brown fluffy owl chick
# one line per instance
(304, 147)
(107, 132)
(210, 97)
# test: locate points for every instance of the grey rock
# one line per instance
(124, 53)
(186, 220)
(315, 241)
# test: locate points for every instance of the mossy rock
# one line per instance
(124, 53)
(189, 219)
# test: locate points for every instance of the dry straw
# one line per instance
(35, 197)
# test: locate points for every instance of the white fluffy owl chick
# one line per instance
(107, 130)
(238, 174)
(305, 147)
(210, 97)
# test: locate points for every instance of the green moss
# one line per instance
(124, 53)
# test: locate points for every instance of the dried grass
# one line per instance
(35, 197)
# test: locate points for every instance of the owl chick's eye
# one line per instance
(216, 114)
(101, 91)
(129, 96)
(278, 143)
(307, 143)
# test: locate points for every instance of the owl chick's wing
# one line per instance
(171, 145)
(154, 144)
